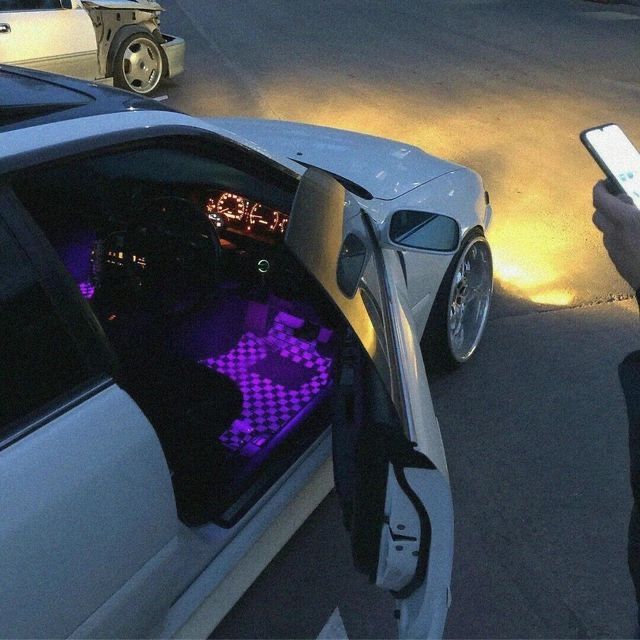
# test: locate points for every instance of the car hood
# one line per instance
(386, 169)
(143, 5)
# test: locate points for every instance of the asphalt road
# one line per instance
(534, 427)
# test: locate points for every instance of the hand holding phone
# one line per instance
(618, 220)
(617, 157)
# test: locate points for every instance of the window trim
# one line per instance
(27, 424)
(58, 2)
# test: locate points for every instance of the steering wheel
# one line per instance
(173, 254)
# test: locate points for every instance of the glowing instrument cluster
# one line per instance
(231, 211)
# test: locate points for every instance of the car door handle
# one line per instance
(5, 28)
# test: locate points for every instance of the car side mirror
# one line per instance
(423, 230)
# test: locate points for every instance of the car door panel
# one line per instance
(89, 520)
(423, 603)
(56, 40)
(390, 469)
(318, 251)
(423, 612)
(140, 606)
(87, 504)
(422, 425)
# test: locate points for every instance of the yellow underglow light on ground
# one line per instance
(557, 297)
(528, 256)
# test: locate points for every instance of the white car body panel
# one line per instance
(424, 613)
(40, 39)
(108, 516)
(40, 137)
(421, 419)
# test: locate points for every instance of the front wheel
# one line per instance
(138, 64)
(461, 307)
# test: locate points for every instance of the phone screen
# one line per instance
(619, 156)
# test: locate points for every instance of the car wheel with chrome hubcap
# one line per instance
(461, 308)
(138, 64)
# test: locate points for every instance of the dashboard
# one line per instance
(164, 242)
(234, 213)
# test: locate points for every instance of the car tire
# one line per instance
(138, 65)
(461, 306)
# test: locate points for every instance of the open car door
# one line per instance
(389, 465)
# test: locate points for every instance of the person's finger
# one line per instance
(602, 197)
(602, 222)
(614, 208)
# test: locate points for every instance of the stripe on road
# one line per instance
(610, 15)
(333, 628)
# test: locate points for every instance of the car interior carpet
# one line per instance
(281, 376)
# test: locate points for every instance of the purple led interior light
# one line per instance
(87, 289)
(279, 375)
(75, 252)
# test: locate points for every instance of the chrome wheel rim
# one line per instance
(142, 65)
(469, 299)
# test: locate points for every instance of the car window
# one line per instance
(40, 360)
(29, 5)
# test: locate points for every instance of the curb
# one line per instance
(632, 2)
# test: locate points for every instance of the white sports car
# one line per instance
(199, 319)
(91, 39)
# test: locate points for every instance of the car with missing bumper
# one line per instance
(204, 326)
(91, 39)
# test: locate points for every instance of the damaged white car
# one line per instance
(92, 40)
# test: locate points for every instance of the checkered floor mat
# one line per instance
(279, 376)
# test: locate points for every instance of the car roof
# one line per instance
(29, 98)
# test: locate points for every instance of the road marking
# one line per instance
(333, 628)
(610, 15)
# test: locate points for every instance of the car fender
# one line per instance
(458, 194)
(111, 32)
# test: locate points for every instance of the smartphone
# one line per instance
(617, 157)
